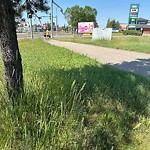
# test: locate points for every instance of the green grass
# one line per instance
(138, 44)
(117, 34)
(71, 102)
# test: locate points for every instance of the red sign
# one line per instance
(44, 25)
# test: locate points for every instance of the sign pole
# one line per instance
(31, 28)
(51, 18)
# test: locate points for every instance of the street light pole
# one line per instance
(52, 15)
(31, 28)
(56, 24)
(51, 18)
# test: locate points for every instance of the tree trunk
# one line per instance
(10, 51)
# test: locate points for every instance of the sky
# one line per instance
(107, 9)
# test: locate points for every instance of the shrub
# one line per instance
(132, 32)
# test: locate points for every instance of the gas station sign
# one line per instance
(133, 15)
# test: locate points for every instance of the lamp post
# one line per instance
(56, 24)
(31, 28)
(51, 18)
(52, 2)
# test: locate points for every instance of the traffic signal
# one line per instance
(29, 15)
(61, 10)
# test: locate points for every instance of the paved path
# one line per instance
(138, 63)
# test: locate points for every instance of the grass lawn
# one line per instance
(138, 44)
(71, 102)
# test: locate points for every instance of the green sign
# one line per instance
(133, 15)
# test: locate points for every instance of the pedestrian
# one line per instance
(47, 34)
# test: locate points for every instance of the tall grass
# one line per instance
(73, 102)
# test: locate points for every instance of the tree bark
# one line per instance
(10, 52)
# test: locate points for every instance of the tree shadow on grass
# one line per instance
(140, 66)
(121, 86)
(112, 100)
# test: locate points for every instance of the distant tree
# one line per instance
(108, 24)
(112, 24)
(77, 14)
(117, 24)
(64, 27)
(8, 40)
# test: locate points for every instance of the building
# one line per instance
(22, 27)
(144, 26)
(123, 26)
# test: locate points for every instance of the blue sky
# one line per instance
(113, 9)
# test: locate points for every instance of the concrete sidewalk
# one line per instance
(138, 63)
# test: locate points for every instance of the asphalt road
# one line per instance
(40, 35)
(28, 35)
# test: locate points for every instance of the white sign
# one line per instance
(101, 34)
(134, 10)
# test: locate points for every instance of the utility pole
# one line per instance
(31, 28)
(56, 22)
(52, 15)
(56, 25)
(51, 18)
(29, 15)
